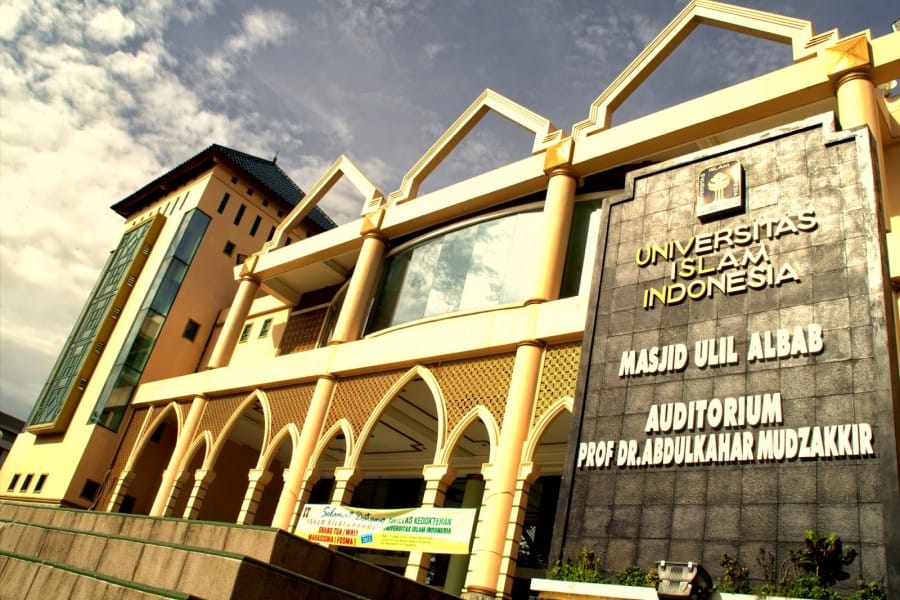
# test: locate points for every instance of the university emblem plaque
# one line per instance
(720, 191)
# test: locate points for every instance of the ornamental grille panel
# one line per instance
(355, 398)
(218, 411)
(469, 382)
(302, 331)
(138, 418)
(290, 404)
(558, 376)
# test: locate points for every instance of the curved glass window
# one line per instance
(483, 264)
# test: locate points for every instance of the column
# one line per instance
(459, 563)
(175, 494)
(493, 543)
(115, 502)
(558, 207)
(258, 479)
(234, 322)
(360, 289)
(528, 474)
(309, 481)
(202, 481)
(437, 479)
(288, 505)
(345, 481)
(185, 437)
(849, 64)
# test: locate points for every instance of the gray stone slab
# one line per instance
(86, 551)
(56, 546)
(160, 566)
(18, 576)
(250, 542)
(206, 535)
(51, 582)
(167, 530)
(120, 558)
(208, 577)
(30, 540)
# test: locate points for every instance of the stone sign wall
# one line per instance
(738, 384)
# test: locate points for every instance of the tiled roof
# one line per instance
(265, 173)
(273, 177)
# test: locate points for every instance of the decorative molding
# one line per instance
(342, 167)
(796, 32)
(545, 135)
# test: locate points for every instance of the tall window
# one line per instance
(76, 362)
(223, 203)
(477, 265)
(129, 366)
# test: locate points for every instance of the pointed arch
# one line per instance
(538, 429)
(255, 396)
(796, 32)
(204, 439)
(475, 414)
(289, 430)
(148, 431)
(342, 167)
(341, 426)
(416, 372)
(545, 135)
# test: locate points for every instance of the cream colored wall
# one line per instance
(84, 450)
(449, 336)
(259, 349)
(209, 285)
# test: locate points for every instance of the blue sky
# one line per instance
(96, 99)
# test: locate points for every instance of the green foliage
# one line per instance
(809, 572)
(636, 576)
(869, 591)
(734, 576)
(586, 568)
(653, 577)
(824, 557)
(803, 586)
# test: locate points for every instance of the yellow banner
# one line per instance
(424, 529)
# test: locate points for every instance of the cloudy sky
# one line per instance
(96, 99)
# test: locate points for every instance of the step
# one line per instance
(196, 572)
(260, 544)
(27, 578)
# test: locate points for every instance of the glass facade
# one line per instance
(129, 367)
(71, 370)
(474, 266)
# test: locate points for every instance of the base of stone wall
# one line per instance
(552, 589)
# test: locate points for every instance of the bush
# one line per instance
(734, 576)
(585, 569)
(803, 586)
(636, 576)
(807, 573)
(824, 557)
(869, 591)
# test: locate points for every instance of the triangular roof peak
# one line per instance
(545, 135)
(787, 30)
(342, 167)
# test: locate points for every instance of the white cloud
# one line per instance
(82, 127)
(258, 29)
(11, 14)
(110, 27)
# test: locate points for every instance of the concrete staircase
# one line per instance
(64, 553)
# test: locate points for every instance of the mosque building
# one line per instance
(666, 338)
